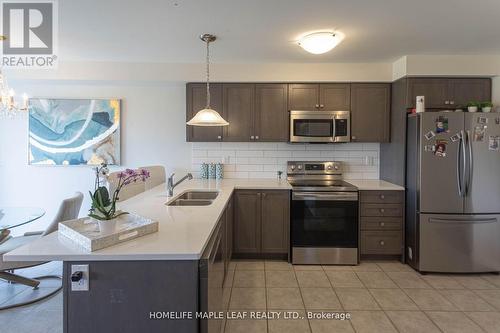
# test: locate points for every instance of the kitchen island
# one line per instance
(134, 284)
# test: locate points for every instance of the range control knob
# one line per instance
(299, 167)
(329, 167)
(292, 167)
(336, 167)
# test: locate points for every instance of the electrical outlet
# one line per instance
(79, 282)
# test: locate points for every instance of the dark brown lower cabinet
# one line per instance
(381, 223)
(229, 214)
(262, 220)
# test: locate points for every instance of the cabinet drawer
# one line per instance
(381, 196)
(381, 242)
(381, 210)
(381, 223)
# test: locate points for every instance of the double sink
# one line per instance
(194, 198)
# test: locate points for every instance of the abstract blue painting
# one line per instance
(74, 131)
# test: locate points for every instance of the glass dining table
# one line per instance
(12, 217)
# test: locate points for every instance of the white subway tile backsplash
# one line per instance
(199, 153)
(306, 154)
(249, 167)
(277, 153)
(263, 159)
(249, 153)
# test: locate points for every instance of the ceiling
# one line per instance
(265, 30)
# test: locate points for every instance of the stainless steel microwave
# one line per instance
(320, 126)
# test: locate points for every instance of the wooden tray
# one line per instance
(85, 231)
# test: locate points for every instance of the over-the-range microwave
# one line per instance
(320, 126)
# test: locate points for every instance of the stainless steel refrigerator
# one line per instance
(453, 192)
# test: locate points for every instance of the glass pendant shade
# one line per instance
(207, 117)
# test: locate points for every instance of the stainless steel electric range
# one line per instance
(324, 214)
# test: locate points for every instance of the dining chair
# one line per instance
(157, 176)
(68, 210)
(126, 192)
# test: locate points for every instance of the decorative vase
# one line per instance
(107, 226)
(204, 171)
(219, 171)
(486, 109)
(472, 108)
(211, 171)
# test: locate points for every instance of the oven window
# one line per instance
(317, 223)
(313, 127)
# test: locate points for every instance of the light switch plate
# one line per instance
(83, 284)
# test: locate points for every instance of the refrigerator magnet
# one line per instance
(482, 120)
(440, 148)
(429, 148)
(429, 135)
(442, 125)
(455, 138)
(479, 133)
(494, 143)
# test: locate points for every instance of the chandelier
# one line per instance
(9, 107)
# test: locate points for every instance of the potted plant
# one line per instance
(472, 106)
(486, 106)
(103, 208)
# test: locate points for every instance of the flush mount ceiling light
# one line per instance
(320, 42)
(207, 116)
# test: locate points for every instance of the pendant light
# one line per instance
(207, 116)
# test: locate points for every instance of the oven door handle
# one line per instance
(325, 196)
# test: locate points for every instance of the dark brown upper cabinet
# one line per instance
(335, 96)
(462, 91)
(325, 96)
(271, 112)
(238, 105)
(196, 99)
(435, 91)
(441, 93)
(370, 112)
(303, 96)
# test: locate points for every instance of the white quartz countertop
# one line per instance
(374, 185)
(183, 230)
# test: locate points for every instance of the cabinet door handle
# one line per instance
(382, 196)
(317, 105)
(446, 102)
(321, 105)
(219, 137)
(452, 102)
(382, 224)
(256, 137)
(382, 210)
(263, 195)
(382, 243)
(353, 138)
(252, 137)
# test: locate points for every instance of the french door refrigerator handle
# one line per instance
(459, 175)
(471, 164)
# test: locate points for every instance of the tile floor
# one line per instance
(380, 297)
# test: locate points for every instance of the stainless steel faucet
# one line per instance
(171, 185)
